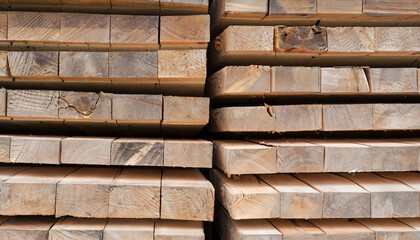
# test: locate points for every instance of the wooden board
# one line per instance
(347, 117)
(254, 8)
(28, 228)
(409, 178)
(298, 229)
(235, 157)
(135, 193)
(5, 142)
(44, 150)
(187, 110)
(405, 39)
(389, 198)
(85, 193)
(292, 7)
(341, 197)
(396, 116)
(86, 150)
(340, 6)
(85, 105)
(3, 25)
(412, 222)
(187, 153)
(33, 63)
(32, 103)
(168, 7)
(300, 39)
(133, 65)
(344, 79)
(83, 64)
(390, 228)
(393, 80)
(295, 79)
(345, 229)
(32, 191)
(298, 118)
(351, 39)
(134, 31)
(7, 172)
(186, 230)
(3, 102)
(239, 79)
(176, 64)
(129, 229)
(137, 152)
(185, 31)
(379, 7)
(137, 107)
(186, 195)
(74, 228)
(247, 197)
(297, 199)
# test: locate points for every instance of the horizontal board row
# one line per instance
(321, 229)
(43, 228)
(106, 151)
(316, 155)
(118, 6)
(55, 30)
(177, 194)
(264, 80)
(316, 117)
(308, 46)
(310, 12)
(319, 195)
(46, 104)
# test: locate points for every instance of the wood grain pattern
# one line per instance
(393, 80)
(292, 6)
(186, 230)
(298, 117)
(83, 64)
(85, 193)
(341, 197)
(137, 152)
(298, 229)
(245, 6)
(182, 63)
(31, 228)
(412, 222)
(247, 197)
(5, 142)
(344, 79)
(237, 38)
(235, 157)
(133, 64)
(84, 28)
(188, 153)
(185, 31)
(348, 117)
(33, 26)
(295, 79)
(301, 39)
(86, 150)
(403, 39)
(32, 103)
(351, 39)
(7, 172)
(44, 150)
(32, 191)
(135, 193)
(137, 107)
(3, 102)
(390, 228)
(389, 198)
(186, 195)
(3, 25)
(85, 105)
(396, 116)
(298, 200)
(390, 7)
(129, 229)
(4, 65)
(345, 229)
(340, 6)
(134, 29)
(177, 109)
(74, 228)
(33, 63)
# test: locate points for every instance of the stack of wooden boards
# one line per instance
(90, 66)
(271, 72)
(165, 54)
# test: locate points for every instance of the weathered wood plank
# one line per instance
(135, 193)
(185, 31)
(295, 79)
(85, 193)
(298, 117)
(177, 109)
(351, 39)
(3, 25)
(74, 228)
(297, 229)
(292, 7)
(341, 197)
(133, 65)
(32, 191)
(241, 157)
(84, 105)
(340, 6)
(33, 63)
(7, 172)
(33, 26)
(297, 199)
(237, 38)
(393, 80)
(44, 150)
(344, 79)
(174, 64)
(137, 107)
(347, 117)
(86, 150)
(390, 229)
(83, 64)
(32, 103)
(245, 7)
(186, 230)
(404, 39)
(5, 142)
(396, 116)
(188, 153)
(129, 229)
(389, 198)
(300, 39)
(28, 228)
(390, 7)
(186, 195)
(412, 222)
(247, 197)
(137, 152)
(345, 229)
(168, 7)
